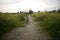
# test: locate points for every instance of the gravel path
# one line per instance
(29, 32)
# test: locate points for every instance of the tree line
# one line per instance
(31, 11)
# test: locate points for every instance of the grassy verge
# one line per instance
(49, 22)
(10, 21)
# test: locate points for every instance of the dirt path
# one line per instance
(29, 32)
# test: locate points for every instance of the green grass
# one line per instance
(49, 22)
(10, 21)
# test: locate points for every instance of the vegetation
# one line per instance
(49, 22)
(30, 11)
(9, 21)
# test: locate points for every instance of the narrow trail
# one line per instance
(29, 32)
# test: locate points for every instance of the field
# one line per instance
(9, 21)
(49, 22)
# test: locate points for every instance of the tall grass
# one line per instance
(49, 22)
(10, 21)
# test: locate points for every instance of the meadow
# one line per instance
(49, 22)
(9, 21)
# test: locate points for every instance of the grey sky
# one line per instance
(17, 5)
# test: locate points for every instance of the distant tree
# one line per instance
(0, 12)
(58, 10)
(54, 11)
(17, 12)
(38, 11)
(30, 11)
(21, 12)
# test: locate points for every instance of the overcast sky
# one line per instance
(25, 5)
